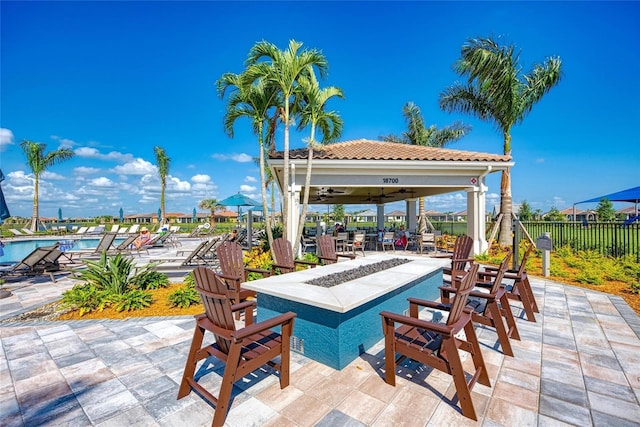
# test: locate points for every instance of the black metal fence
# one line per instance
(608, 238)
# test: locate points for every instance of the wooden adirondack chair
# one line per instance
(241, 350)
(460, 257)
(520, 290)
(328, 253)
(233, 271)
(437, 344)
(489, 308)
(284, 257)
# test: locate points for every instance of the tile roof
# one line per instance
(365, 149)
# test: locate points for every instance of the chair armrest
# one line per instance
(482, 295)
(303, 262)
(263, 326)
(430, 304)
(258, 270)
(350, 256)
(438, 328)
(243, 305)
(229, 277)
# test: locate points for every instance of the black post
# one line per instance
(516, 243)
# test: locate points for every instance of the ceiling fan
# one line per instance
(332, 191)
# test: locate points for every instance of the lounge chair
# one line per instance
(437, 344)
(103, 245)
(328, 253)
(201, 255)
(28, 232)
(82, 230)
(426, 241)
(242, 351)
(123, 230)
(16, 233)
(42, 260)
(284, 261)
(134, 229)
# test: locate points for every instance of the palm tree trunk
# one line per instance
(305, 200)
(286, 184)
(36, 210)
(504, 239)
(422, 227)
(263, 192)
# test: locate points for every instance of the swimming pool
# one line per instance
(16, 250)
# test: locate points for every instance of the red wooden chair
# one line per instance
(328, 253)
(437, 344)
(490, 306)
(233, 271)
(241, 350)
(284, 257)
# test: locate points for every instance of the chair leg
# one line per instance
(476, 354)
(190, 365)
(505, 310)
(520, 293)
(529, 292)
(459, 379)
(496, 320)
(389, 352)
(228, 378)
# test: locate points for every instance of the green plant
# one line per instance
(113, 274)
(84, 298)
(308, 256)
(184, 297)
(134, 299)
(152, 280)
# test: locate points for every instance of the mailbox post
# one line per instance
(545, 244)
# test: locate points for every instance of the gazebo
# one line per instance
(374, 172)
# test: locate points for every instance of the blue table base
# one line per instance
(336, 339)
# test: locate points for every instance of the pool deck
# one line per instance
(579, 364)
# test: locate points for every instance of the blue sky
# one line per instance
(113, 79)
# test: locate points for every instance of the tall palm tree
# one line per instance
(497, 91)
(252, 99)
(213, 206)
(162, 163)
(39, 161)
(284, 68)
(418, 133)
(313, 112)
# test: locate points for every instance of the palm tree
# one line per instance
(162, 163)
(39, 161)
(283, 69)
(213, 206)
(418, 133)
(313, 103)
(498, 92)
(252, 99)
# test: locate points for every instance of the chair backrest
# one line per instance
(82, 230)
(216, 302)
(522, 268)
(124, 245)
(504, 266)
(327, 249)
(106, 241)
(199, 251)
(460, 298)
(342, 236)
(231, 259)
(284, 253)
(358, 239)
(123, 230)
(461, 250)
(34, 258)
(388, 237)
(134, 228)
(428, 238)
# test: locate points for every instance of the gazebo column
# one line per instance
(476, 225)
(380, 216)
(411, 215)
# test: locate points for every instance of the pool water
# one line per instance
(18, 249)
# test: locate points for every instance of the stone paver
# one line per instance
(579, 364)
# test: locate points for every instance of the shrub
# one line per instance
(152, 280)
(184, 297)
(133, 300)
(112, 274)
(84, 298)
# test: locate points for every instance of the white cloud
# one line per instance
(240, 158)
(52, 175)
(201, 179)
(250, 179)
(102, 182)
(6, 138)
(93, 153)
(136, 167)
(244, 189)
(84, 170)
